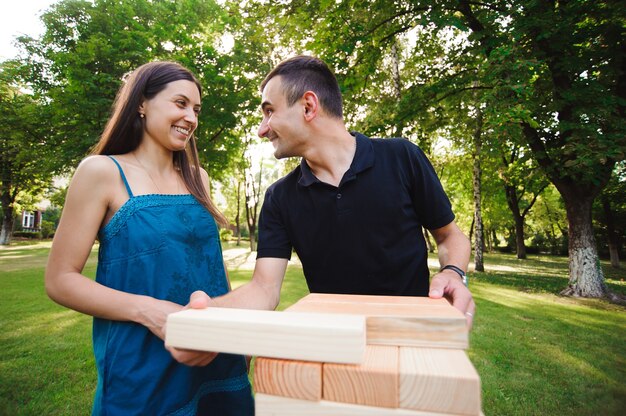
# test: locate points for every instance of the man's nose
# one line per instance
(264, 128)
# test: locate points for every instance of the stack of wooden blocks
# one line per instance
(414, 364)
(345, 355)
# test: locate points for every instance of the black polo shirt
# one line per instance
(364, 236)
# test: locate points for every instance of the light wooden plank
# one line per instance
(396, 320)
(372, 383)
(266, 405)
(298, 336)
(288, 378)
(373, 299)
(438, 380)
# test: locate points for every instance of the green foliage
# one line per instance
(52, 214)
(24, 153)
(226, 234)
(609, 211)
(79, 62)
(47, 229)
(35, 235)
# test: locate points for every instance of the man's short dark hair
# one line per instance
(307, 73)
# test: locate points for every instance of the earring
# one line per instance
(142, 115)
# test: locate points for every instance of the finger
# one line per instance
(198, 300)
(437, 287)
(470, 313)
(459, 296)
(192, 358)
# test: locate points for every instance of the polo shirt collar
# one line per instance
(363, 159)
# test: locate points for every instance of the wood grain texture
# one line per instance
(266, 405)
(372, 383)
(299, 336)
(438, 380)
(396, 320)
(288, 378)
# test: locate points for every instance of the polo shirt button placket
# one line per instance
(338, 196)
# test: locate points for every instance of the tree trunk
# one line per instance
(397, 84)
(7, 219)
(238, 217)
(478, 219)
(611, 233)
(252, 237)
(253, 197)
(7, 227)
(429, 244)
(519, 238)
(585, 275)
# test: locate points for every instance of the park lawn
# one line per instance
(537, 353)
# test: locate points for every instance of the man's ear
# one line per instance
(311, 105)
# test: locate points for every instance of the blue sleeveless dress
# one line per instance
(164, 246)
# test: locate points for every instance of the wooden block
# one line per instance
(438, 380)
(266, 405)
(372, 383)
(396, 320)
(298, 336)
(288, 378)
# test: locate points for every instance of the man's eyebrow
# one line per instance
(265, 104)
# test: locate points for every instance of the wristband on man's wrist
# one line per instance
(458, 270)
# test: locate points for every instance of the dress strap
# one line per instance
(130, 193)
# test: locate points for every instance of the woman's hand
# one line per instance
(197, 300)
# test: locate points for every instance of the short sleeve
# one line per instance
(431, 203)
(274, 239)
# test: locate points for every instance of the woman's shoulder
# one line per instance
(96, 167)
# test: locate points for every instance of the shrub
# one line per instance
(226, 234)
(47, 229)
(28, 234)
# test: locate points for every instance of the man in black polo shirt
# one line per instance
(361, 235)
(354, 208)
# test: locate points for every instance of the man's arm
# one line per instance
(263, 290)
(454, 249)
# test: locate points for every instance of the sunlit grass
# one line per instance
(537, 353)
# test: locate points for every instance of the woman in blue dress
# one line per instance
(144, 196)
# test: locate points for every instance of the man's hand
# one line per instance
(447, 284)
(197, 300)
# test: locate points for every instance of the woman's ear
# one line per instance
(311, 105)
(141, 110)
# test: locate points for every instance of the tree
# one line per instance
(23, 151)
(610, 214)
(556, 70)
(79, 63)
(523, 183)
(476, 176)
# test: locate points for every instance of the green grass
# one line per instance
(537, 353)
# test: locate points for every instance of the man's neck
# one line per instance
(331, 155)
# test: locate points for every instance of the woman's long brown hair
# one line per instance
(124, 130)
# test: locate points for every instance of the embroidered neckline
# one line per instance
(138, 202)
